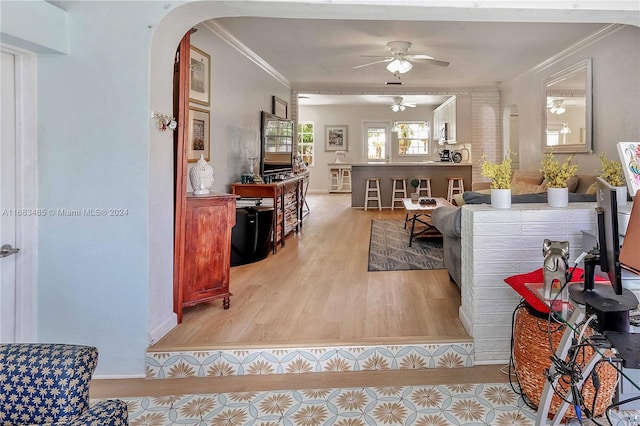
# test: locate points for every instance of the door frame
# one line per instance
(388, 141)
(26, 192)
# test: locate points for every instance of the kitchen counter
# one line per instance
(439, 172)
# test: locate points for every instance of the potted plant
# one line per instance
(415, 183)
(500, 175)
(556, 175)
(611, 172)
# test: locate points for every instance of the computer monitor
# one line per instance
(608, 235)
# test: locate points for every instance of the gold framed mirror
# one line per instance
(567, 124)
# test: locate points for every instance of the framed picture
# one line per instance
(279, 107)
(629, 153)
(200, 82)
(335, 138)
(199, 142)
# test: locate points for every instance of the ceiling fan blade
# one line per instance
(373, 63)
(410, 105)
(431, 61)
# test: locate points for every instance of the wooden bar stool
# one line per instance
(456, 186)
(424, 187)
(376, 192)
(335, 180)
(395, 191)
(345, 179)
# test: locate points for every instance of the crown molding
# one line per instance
(564, 54)
(232, 41)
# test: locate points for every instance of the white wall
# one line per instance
(353, 116)
(240, 91)
(616, 99)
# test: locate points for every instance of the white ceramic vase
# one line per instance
(558, 197)
(501, 198)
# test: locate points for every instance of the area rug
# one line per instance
(389, 248)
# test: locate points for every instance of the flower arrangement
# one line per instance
(500, 174)
(611, 171)
(556, 174)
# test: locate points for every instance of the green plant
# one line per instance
(556, 174)
(415, 182)
(611, 171)
(500, 174)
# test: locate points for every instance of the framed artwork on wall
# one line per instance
(629, 153)
(279, 107)
(200, 81)
(199, 142)
(335, 137)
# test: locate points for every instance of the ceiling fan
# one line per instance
(399, 105)
(400, 60)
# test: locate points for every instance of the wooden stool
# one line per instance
(335, 180)
(376, 192)
(426, 187)
(395, 190)
(345, 180)
(456, 186)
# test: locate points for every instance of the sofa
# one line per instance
(49, 384)
(527, 187)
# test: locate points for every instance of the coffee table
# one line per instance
(418, 212)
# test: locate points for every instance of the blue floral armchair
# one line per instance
(49, 384)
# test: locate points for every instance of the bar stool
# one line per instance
(426, 187)
(395, 190)
(456, 186)
(376, 192)
(345, 179)
(335, 180)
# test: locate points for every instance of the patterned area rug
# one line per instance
(389, 248)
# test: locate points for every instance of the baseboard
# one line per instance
(466, 321)
(117, 376)
(161, 330)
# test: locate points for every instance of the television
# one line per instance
(276, 150)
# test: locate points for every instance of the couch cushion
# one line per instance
(475, 198)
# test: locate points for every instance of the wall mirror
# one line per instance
(567, 110)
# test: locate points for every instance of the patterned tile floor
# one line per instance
(480, 404)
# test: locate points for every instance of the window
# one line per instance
(413, 137)
(376, 143)
(305, 142)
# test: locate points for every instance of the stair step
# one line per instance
(286, 360)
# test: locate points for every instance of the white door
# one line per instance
(8, 200)
(18, 195)
(377, 138)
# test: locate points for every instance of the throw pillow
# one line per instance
(591, 190)
(534, 177)
(522, 187)
(572, 183)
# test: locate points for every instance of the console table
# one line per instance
(288, 203)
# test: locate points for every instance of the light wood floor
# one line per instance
(317, 291)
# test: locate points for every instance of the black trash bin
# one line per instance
(251, 237)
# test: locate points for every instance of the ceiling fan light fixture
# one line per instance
(395, 107)
(557, 107)
(399, 65)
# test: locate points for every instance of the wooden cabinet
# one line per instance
(207, 248)
(288, 202)
(456, 112)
